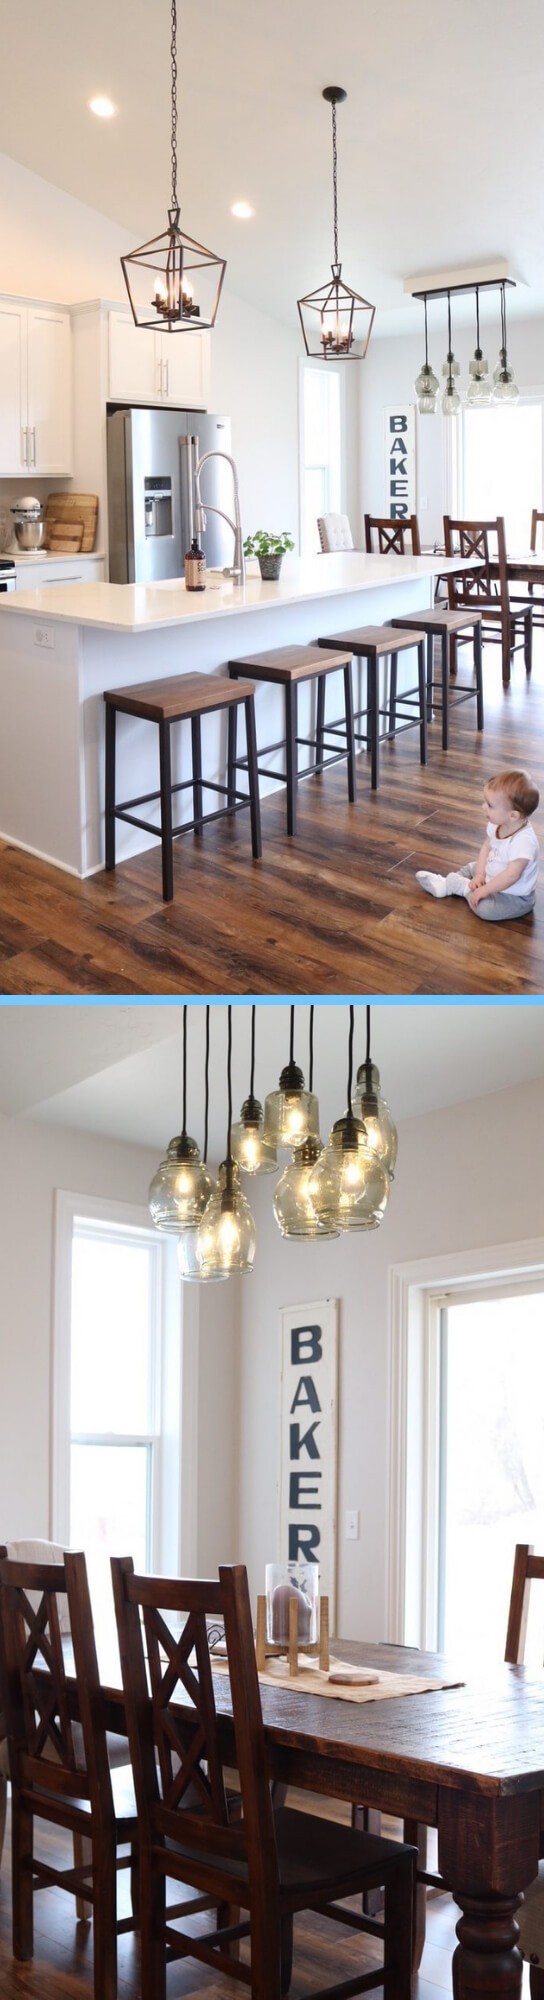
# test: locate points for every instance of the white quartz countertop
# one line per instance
(143, 608)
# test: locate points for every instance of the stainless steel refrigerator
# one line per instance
(152, 456)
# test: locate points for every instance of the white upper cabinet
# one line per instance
(153, 367)
(35, 390)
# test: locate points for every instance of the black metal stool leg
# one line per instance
(253, 778)
(422, 702)
(111, 718)
(166, 812)
(528, 640)
(232, 752)
(196, 746)
(291, 754)
(393, 695)
(350, 735)
(430, 672)
(478, 673)
(372, 668)
(320, 721)
(445, 690)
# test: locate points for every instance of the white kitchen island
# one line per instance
(60, 648)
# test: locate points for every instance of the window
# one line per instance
(321, 448)
(122, 1360)
(502, 466)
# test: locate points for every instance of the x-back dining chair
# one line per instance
(386, 536)
(527, 1569)
(268, 1863)
(59, 1768)
(506, 622)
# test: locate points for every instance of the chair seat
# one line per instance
(375, 640)
(311, 1851)
(439, 620)
(183, 695)
(292, 663)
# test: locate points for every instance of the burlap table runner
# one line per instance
(311, 1679)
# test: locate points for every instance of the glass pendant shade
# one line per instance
(351, 1185)
(479, 388)
(451, 400)
(190, 1268)
(369, 1106)
(427, 389)
(226, 1236)
(506, 389)
(294, 1208)
(163, 275)
(291, 1113)
(253, 1152)
(181, 1187)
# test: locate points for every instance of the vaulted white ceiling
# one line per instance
(441, 161)
(115, 1070)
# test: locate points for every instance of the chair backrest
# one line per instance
(40, 1551)
(165, 1659)
(385, 536)
(536, 519)
(47, 1750)
(487, 541)
(334, 532)
(527, 1566)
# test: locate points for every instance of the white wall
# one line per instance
(388, 375)
(34, 1161)
(467, 1177)
(54, 247)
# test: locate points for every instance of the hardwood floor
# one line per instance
(62, 1965)
(337, 910)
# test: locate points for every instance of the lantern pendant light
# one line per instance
(479, 389)
(350, 1184)
(427, 386)
(253, 1152)
(291, 1113)
(368, 1103)
(161, 276)
(336, 321)
(181, 1187)
(226, 1233)
(451, 400)
(506, 389)
(189, 1267)
(293, 1200)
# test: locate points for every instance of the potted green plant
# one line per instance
(269, 550)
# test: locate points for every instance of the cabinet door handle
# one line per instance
(33, 447)
(24, 444)
(160, 375)
(167, 366)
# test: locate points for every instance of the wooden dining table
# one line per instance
(466, 1759)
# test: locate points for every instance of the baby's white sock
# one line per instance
(453, 884)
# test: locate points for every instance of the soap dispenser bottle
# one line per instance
(195, 567)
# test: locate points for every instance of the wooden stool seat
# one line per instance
(373, 643)
(286, 667)
(447, 625)
(184, 697)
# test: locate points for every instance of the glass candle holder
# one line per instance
(283, 1581)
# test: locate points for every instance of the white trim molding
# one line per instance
(415, 1292)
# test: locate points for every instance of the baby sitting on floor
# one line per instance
(501, 883)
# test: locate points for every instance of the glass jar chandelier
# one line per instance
(427, 386)
(291, 1113)
(368, 1104)
(181, 1187)
(254, 1153)
(351, 1182)
(479, 388)
(161, 276)
(336, 321)
(188, 1261)
(294, 1206)
(451, 400)
(226, 1233)
(481, 391)
(505, 389)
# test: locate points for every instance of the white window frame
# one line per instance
(457, 485)
(175, 1337)
(327, 368)
(416, 1293)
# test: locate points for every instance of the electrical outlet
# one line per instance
(44, 636)
(352, 1524)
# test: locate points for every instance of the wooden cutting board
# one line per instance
(65, 511)
(65, 538)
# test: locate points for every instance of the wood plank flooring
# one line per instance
(62, 1965)
(336, 910)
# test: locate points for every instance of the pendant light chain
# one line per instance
(335, 181)
(173, 54)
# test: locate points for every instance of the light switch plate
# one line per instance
(352, 1524)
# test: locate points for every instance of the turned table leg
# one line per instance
(487, 1960)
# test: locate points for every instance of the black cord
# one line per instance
(311, 1061)
(292, 1036)
(426, 336)
(252, 1078)
(229, 1079)
(449, 329)
(350, 1058)
(206, 1086)
(184, 1072)
(478, 319)
(368, 1034)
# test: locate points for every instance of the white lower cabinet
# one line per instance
(34, 575)
(35, 390)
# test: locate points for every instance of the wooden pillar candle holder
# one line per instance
(289, 1649)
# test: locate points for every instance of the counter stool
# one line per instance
(183, 699)
(286, 666)
(382, 642)
(447, 625)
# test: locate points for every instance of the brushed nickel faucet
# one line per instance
(238, 571)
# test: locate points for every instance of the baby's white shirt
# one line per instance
(519, 846)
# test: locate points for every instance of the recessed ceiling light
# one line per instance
(243, 210)
(102, 107)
